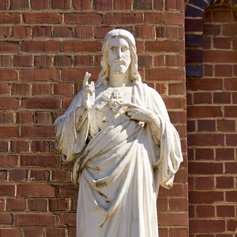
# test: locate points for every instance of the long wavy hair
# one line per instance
(133, 68)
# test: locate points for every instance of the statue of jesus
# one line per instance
(118, 133)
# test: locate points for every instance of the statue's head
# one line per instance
(119, 55)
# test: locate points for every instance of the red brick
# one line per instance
(222, 43)
(39, 131)
(83, 32)
(35, 190)
(68, 191)
(62, 60)
(4, 4)
(35, 219)
(16, 4)
(3, 146)
(36, 232)
(122, 4)
(18, 175)
(40, 46)
(82, 5)
(164, 74)
(63, 89)
(206, 125)
(202, 98)
(205, 168)
(68, 219)
(39, 175)
(231, 139)
(73, 74)
(217, 56)
(6, 117)
(61, 175)
(223, 70)
(174, 103)
(6, 219)
(19, 146)
(204, 85)
(230, 168)
(204, 183)
(83, 18)
(178, 232)
(71, 231)
(7, 132)
(41, 31)
(207, 197)
(16, 205)
(164, 18)
(4, 32)
(204, 112)
(83, 60)
(39, 146)
(7, 232)
(3, 175)
(60, 31)
(230, 111)
(52, 232)
(178, 204)
(8, 161)
(42, 18)
(24, 117)
(145, 32)
(173, 219)
(99, 5)
(7, 190)
(205, 211)
(43, 118)
(81, 46)
(10, 18)
(164, 46)
(63, 4)
(123, 18)
(37, 204)
(43, 61)
(40, 161)
(23, 60)
(225, 125)
(231, 196)
(21, 89)
(58, 204)
(225, 211)
(39, 103)
(40, 74)
(230, 84)
(5, 60)
(204, 226)
(5, 88)
(39, 5)
(41, 89)
(9, 46)
(224, 182)
(232, 225)
(225, 154)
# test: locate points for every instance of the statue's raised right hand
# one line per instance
(88, 92)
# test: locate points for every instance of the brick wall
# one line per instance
(212, 127)
(46, 46)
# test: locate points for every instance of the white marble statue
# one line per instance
(119, 134)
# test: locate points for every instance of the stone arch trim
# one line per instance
(194, 13)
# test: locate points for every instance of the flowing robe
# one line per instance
(120, 166)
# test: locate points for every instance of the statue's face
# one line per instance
(119, 57)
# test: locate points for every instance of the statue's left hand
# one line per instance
(138, 113)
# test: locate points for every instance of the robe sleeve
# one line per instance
(167, 137)
(72, 130)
